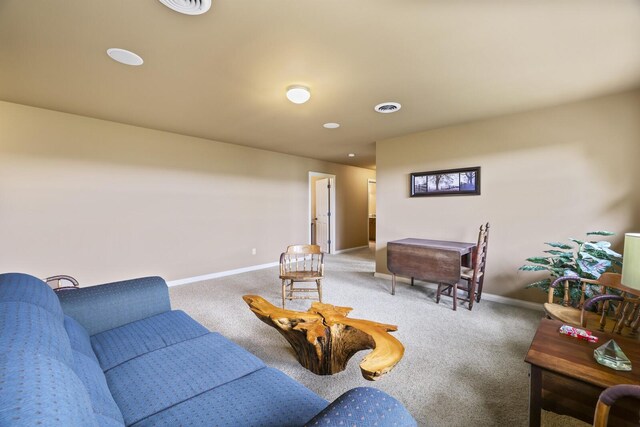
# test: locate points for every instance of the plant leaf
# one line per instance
(539, 260)
(543, 284)
(600, 233)
(533, 268)
(559, 253)
(593, 268)
(578, 241)
(558, 245)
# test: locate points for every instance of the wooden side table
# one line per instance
(566, 379)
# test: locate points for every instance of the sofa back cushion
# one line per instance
(29, 329)
(48, 370)
(40, 390)
(25, 288)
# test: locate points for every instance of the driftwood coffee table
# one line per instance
(324, 339)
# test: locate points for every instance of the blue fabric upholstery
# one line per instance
(165, 377)
(126, 342)
(30, 329)
(79, 338)
(29, 289)
(153, 366)
(89, 372)
(364, 407)
(104, 307)
(266, 397)
(39, 390)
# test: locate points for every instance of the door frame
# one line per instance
(332, 201)
(369, 182)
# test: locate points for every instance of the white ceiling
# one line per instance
(222, 75)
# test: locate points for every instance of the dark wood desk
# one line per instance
(436, 261)
(567, 380)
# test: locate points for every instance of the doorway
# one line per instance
(322, 208)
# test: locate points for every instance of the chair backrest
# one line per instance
(302, 258)
(480, 255)
(617, 306)
(605, 281)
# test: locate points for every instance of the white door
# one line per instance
(323, 214)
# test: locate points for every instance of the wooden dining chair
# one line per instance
(301, 263)
(615, 308)
(471, 278)
(608, 397)
(474, 275)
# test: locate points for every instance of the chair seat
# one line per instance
(467, 273)
(571, 316)
(301, 276)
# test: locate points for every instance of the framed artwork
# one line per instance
(450, 182)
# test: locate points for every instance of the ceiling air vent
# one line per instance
(387, 107)
(188, 7)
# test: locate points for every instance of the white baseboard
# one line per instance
(341, 251)
(221, 274)
(489, 297)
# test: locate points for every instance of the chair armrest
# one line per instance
(103, 307)
(608, 397)
(594, 300)
(364, 406)
(563, 278)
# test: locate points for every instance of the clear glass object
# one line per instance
(611, 355)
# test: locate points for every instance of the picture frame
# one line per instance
(448, 182)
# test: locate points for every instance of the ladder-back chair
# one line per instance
(301, 263)
(472, 276)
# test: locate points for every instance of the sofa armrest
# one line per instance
(103, 307)
(364, 406)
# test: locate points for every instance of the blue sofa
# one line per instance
(116, 354)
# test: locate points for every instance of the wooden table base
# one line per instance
(324, 339)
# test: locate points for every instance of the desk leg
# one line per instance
(535, 396)
(412, 281)
(393, 284)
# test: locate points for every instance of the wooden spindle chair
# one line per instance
(301, 263)
(608, 397)
(616, 308)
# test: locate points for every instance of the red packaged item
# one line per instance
(581, 334)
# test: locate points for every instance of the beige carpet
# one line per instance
(463, 368)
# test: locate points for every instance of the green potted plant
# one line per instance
(588, 259)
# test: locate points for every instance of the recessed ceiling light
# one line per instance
(331, 125)
(188, 7)
(351, 155)
(298, 94)
(124, 56)
(387, 107)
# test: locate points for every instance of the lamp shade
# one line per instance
(631, 263)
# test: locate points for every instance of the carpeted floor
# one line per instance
(459, 368)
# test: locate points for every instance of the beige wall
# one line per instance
(546, 175)
(105, 201)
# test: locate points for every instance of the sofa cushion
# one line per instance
(124, 343)
(165, 377)
(79, 338)
(29, 289)
(91, 375)
(36, 389)
(26, 328)
(266, 397)
(104, 307)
